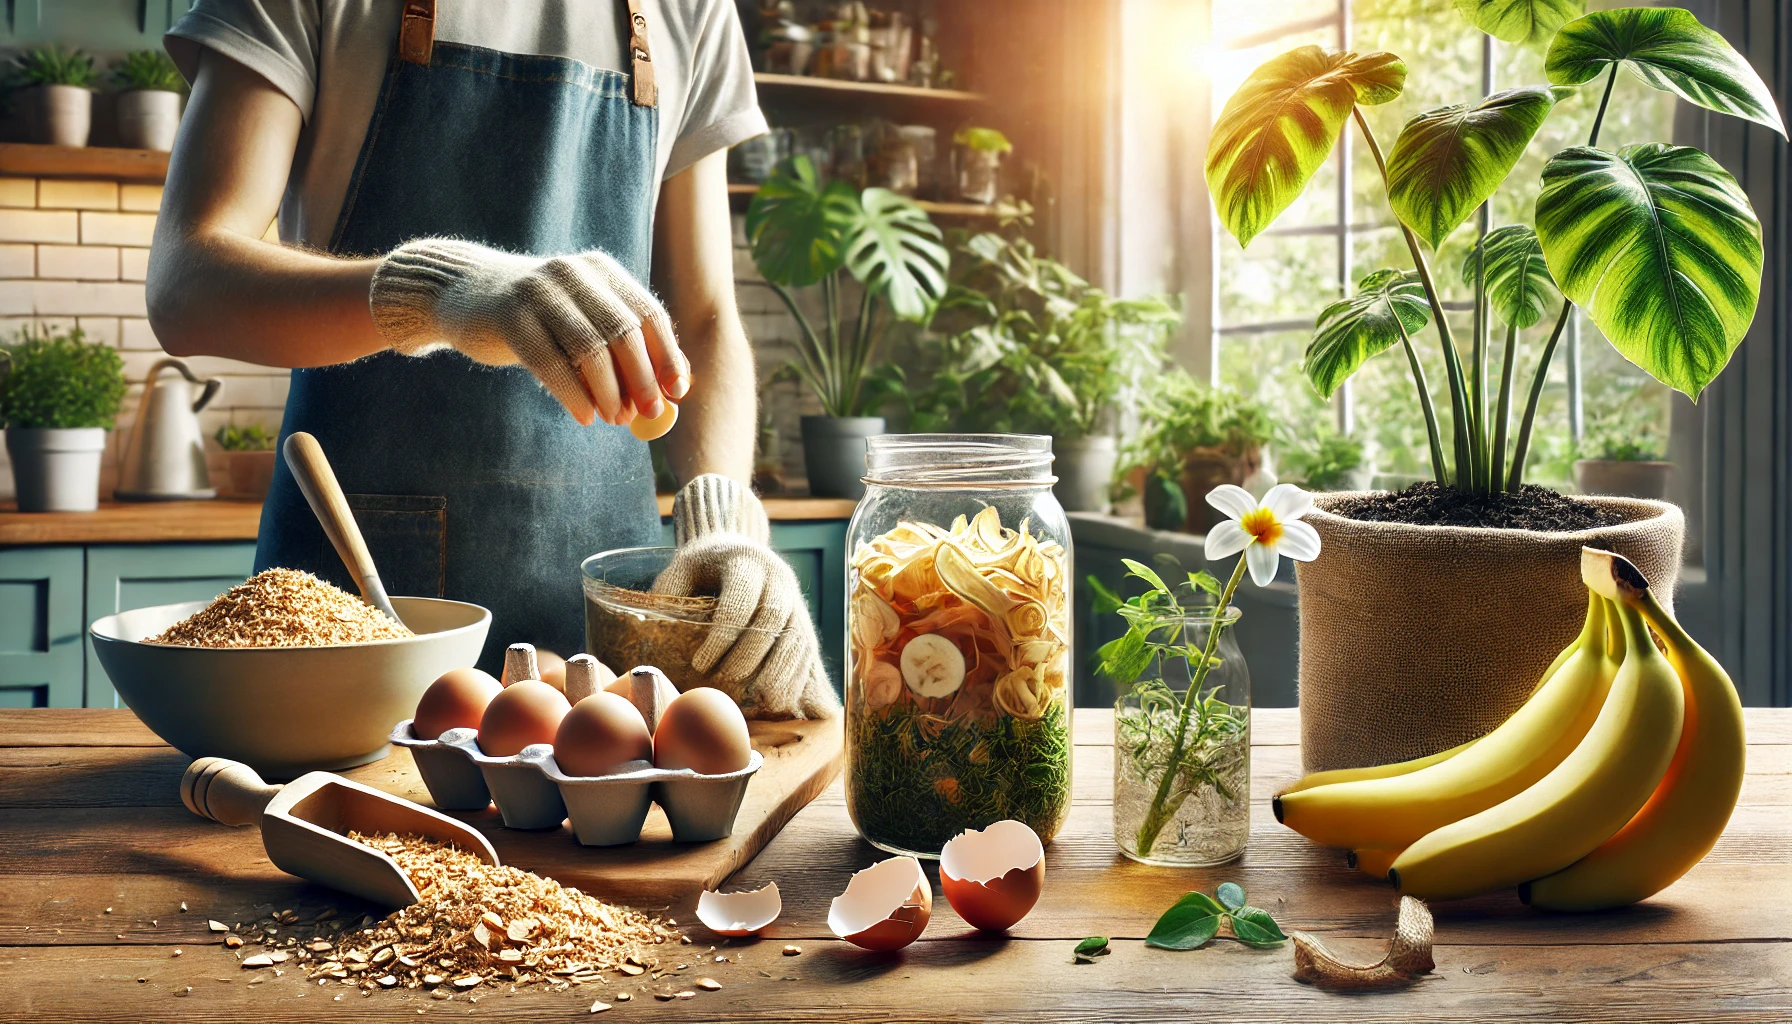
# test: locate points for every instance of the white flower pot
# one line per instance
(56, 470)
(148, 118)
(59, 115)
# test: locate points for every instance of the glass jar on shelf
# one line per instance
(958, 698)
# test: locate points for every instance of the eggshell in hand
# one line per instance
(600, 733)
(656, 428)
(552, 667)
(456, 700)
(885, 907)
(527, 711)
(736, 914)
(993, 877)
(702, 730)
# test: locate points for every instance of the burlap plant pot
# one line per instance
(1414, 639)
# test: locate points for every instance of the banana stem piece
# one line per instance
(1407, 960)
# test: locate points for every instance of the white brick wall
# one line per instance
(75, 253)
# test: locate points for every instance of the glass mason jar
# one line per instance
(958, 696)
(1182, 768)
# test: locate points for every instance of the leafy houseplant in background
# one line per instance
(56, 88)
(1328, 461)
(1623, 452)
(804, 234)
(1026, 346)
(980, 152)
(1192, 437)
(1657, 243)
(249, 456)
(149, 103)
(59, 394)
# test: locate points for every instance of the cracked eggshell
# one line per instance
(885, 907)
(738, 914)
(993, 877)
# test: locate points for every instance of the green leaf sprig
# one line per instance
(1195, 919)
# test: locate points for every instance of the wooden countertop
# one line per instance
(153, 522)
(98, 856)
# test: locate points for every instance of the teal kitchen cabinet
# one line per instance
(120, 577)
(41, 627)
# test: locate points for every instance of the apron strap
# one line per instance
(417, 31)
(646, 93)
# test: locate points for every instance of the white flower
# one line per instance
(1264, 532)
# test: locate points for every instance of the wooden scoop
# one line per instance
(304, 825)
(312, 472)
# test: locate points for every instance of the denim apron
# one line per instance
(471, 482)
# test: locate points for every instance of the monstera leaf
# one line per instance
(893, 248)
(798, 228)
(1520, 21)
(1448, 161)
(1279, 126)
(1659, 245)
(1387, 305)
(1670, 50)
(1519, 287)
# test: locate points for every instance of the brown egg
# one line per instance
(599, 733)
(527, 711)
(621, 686)
(702, 730)
(456, 700)
(553, 668)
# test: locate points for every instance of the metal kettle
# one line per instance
(165, 458)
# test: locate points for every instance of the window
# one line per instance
(1268, 296)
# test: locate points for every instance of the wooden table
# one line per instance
(90, 820)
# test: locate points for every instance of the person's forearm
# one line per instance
(217, 293)
(718, 421)
(215, 287)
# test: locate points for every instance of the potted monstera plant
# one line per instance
(809, 234)
(1656, 243)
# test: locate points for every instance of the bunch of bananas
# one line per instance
(1616, 776)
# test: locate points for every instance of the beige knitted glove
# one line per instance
(558, 317)
(761, 643)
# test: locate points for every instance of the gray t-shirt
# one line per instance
(330, 57)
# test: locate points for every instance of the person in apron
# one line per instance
(505, 205)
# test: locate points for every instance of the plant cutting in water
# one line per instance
(1204, 732)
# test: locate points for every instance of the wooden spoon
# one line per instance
(311, 470)
(304, 825)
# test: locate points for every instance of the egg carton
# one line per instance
(606, 810)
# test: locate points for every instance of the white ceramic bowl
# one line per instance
(285, 711)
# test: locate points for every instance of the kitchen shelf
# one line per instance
(805, 86)
(741, 191)
(26, 160)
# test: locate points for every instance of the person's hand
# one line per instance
(761, 643)
(595, 337)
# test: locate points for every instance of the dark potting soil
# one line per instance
(1428, 504)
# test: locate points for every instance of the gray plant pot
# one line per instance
(56, 470)
(1085, 468)
(59, 115)
(834, 453)
(148, 118)
(1623, 479)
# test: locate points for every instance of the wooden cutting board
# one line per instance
(801, 760)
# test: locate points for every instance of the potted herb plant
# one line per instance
(808, 234)
(56, 88)
(1472, 580)
(980, 153)
(59, 394)
(1192, 438)
(1034, 349)
(149, 105)
(249, 456)
(1327, 461)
